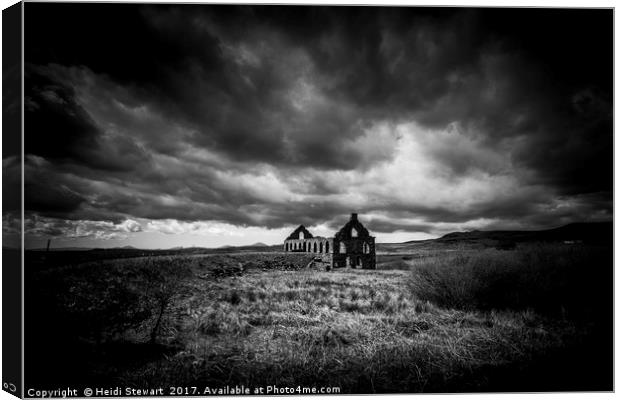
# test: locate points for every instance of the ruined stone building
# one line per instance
(351, 247)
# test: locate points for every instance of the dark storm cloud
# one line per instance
(264, 115)
(11, 183)
(58, 127)
(235, 101)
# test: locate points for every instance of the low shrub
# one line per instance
(551, 279)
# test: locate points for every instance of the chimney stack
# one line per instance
(353, 216)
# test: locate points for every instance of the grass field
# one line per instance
(530, 319)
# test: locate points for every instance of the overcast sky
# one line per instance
(161, 126)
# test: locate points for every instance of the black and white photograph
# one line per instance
(309, 199)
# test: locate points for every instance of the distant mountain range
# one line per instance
(255, 246)
(591, 233)
(245, 246)
(584, 232)
(587, 232)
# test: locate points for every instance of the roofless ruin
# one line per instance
(351, 247)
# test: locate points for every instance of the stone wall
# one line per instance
(351, 247)
(355, 253)
(313, 245)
